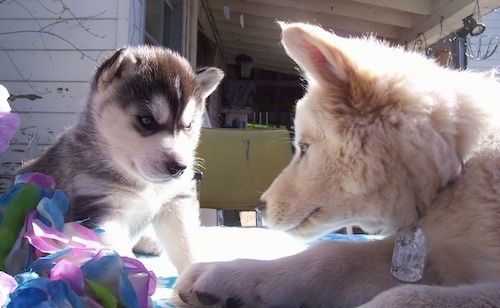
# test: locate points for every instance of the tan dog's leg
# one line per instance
(475, 295)
(330, 274)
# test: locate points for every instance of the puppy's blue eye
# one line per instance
(146, 122)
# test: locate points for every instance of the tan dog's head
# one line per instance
(378, 132)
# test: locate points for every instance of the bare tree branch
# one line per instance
(48, 30)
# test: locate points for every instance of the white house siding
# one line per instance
(492, 22)
(48, 52)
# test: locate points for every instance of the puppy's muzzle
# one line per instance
(175, 169)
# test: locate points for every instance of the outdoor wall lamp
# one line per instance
(471, 26)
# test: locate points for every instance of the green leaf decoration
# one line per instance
(103, 294)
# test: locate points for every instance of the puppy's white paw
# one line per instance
(148, 245)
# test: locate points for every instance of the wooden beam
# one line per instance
(250, 20)
(246, 39)
(324, 19)
(261, 32)
(271, 50)
(350, 9)
(265, 23)
(420, 7)
(204, 25)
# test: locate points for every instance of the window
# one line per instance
(164, 23)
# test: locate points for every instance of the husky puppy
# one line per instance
(128, 161)
(389, 141)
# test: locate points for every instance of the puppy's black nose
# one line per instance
(261, 207)
(175, 169)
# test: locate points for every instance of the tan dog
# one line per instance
(386, 140)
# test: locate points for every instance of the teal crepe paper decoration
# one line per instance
(61, 294)
(51, 209)
(41, 292)
(46, 263)
(28, 297)
(108, 270)
(60, 259)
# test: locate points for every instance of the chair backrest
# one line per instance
(238, 165)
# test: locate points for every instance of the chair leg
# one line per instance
(220, 217)
(258, 219)
(349, 230)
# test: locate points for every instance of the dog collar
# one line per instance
(409, 255)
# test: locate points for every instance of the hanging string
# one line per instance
(478, 12)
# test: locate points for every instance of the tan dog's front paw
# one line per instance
(241, 283)
(222, 284)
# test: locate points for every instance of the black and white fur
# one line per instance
(129, 159)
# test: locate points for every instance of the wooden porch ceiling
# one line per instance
(395, 20)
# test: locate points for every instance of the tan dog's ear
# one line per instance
(207, 80)
(311, 48)
(119, 64)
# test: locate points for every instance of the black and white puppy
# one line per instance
(129, 159)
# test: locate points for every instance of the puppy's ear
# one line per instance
(311, 47)
(116, 66)
(207, 80)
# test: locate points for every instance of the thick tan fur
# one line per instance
(384, 139)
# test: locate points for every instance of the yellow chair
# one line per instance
(238, 165)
